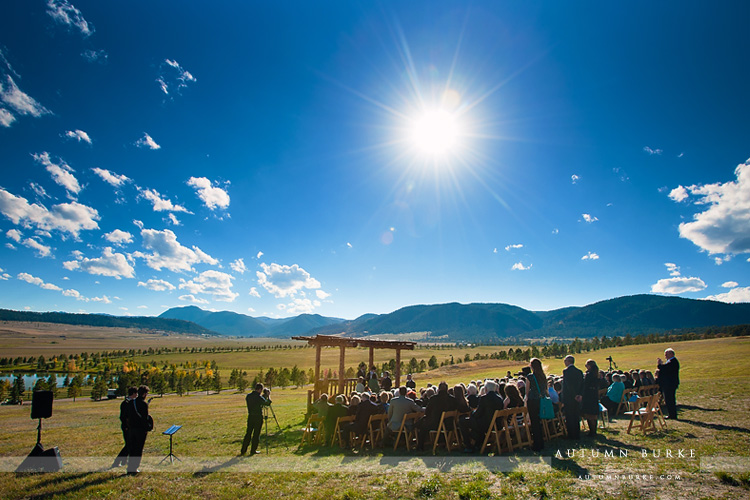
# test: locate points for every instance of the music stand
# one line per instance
(171, 432)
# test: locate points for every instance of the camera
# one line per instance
(610, 359)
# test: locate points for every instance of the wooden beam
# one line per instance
(372, 358)
(342, 369)
(398, 367)
(316, 383)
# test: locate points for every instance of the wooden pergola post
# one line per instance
(398, 367)
(316, 383)
(342, 369)
(372, 359)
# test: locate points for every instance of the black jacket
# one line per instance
(572, 385)
(255, 403)
(138, 415)
(669, 374)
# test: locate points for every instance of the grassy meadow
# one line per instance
(714, 423)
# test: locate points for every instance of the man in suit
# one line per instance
(669, 381)
(436, 405)
(572, 394)
(365, 409)
(122, 457)
(139, 425)
(475, 427)
(255, 403)
(400, 406)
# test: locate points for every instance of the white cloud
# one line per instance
(733, 296)
(213, 197)
(17, 100)
(238, 266)
(555, 231)
(38, 282)
(302, 306)
(260, 254)
(105, 300)
(589, 218)
(172, 77)
(513, 247)
(590, 256)
(74, 294)
(143, 307)
(61, 172)
(157, 285)
(95, 56)
(161, 204)
(167, 252)
(652, 151)
(172, 219)
(65, 13)
(285, 281)
(254, 292)
(730, 284)
(674, 286)
(39, 190)
(192, 299)
(724, 227)
(147, 142)
(574, 178)
(65, 217)
(110, 264)
(678, 194)
(349, 245)
(42, 250)
(14, 234)
(5, 276)
(674, 269)
(110, 177)
(214, 283)
(78, 135)
(518, 266)
(321, 294)
(118, 237)
(138, 224)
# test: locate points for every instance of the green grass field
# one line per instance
(715, 422)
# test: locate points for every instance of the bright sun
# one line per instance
(435, 133)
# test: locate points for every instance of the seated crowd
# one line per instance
(477, 401)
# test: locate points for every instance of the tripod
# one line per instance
(611, 362)
(265, 418)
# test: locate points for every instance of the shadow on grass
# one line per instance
(716, 427)
(570, 466)
(691, 407)
(64, 488)
(217, 468)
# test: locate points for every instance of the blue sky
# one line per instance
(350, 157)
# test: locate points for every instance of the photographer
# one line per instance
(255, 403)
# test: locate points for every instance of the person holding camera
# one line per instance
(255, 403)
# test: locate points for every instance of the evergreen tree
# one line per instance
(216, 381)
(74, 389)
(99, 390)
(40, 385)
(52, 385)
(18, 390)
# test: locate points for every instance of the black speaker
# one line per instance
(41, 404)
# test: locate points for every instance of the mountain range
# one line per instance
(636, 315)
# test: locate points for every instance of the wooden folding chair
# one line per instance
(555, 427)
(375, 430)
(338, 433)
(314, 431)
(499, 428)
(519, 428)
(642, 412)
(446, 429)
(408, 430)
(624, 401)
(656, 411)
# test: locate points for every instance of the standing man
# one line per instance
(255, 404)
(122, 457)
(669, 381)
(139, 424)
(572, 394)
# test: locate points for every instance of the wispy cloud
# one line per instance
(590, 256)
(63, 12)
(69, 218)
(214, 283)
(285, 281)
(14, 234)
(41, 250)
(110, 177)
(724, 226)
(166, 252)
(161, 204)
(518, 266)
(95, 56)
(111, 263)
(147, 142)
(157, 285)
(238, 266)
(78, 135)
(16, 102)
(589, 218)
(28, 278)
(574, 178)
(730, 284)
(516, 246)
(192, 299)
(61, 172)
(173, 77)
(213, 197)
(254, 292)
(651, 151)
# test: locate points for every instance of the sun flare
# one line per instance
(435, 132)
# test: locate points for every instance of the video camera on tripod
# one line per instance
(611, 362)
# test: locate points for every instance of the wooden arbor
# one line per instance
(320, 341)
